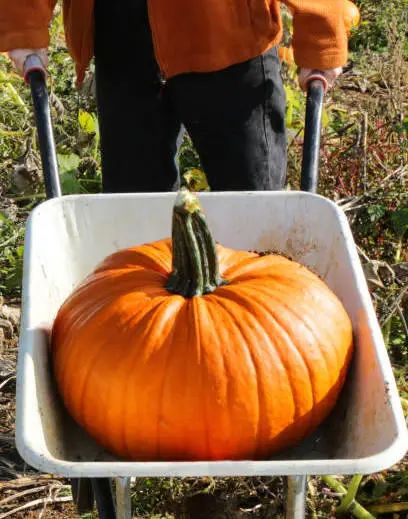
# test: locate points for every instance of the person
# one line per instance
(208, 65)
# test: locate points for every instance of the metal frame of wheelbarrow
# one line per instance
(85, 491)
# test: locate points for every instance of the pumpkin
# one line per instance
(351, 15)
(188, 350)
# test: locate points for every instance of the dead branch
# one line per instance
(36, 503)
(16, 496)
(349, 203)
(394, 306)
(364, 132)
(5, 382)
(403, 320)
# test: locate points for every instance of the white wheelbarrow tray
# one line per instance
(67, 237)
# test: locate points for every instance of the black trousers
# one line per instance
(235, 117)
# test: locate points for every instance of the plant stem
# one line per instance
(351, 494)
(389, 508)
(16, 98)
(386, 331)
(36, 196)
(364, 131)
(195, 263)
(9, 133)
(312, 500)
(354, 508)
(398, 252)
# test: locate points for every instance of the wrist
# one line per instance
(19, 57)
(327, 76)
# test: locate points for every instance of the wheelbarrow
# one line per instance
(68, 236)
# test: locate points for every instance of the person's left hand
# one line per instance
(330, 75)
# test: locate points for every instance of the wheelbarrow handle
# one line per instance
(316, 89)
(34, 74)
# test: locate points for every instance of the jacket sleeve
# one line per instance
(24, 23)
(319, 33)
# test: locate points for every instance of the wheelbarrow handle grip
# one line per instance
(34, 74)
(32, 63)
(316, 88)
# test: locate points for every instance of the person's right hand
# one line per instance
(329, 75)
(18, 57)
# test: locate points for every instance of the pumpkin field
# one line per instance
(363, 169)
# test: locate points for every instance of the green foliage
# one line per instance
(379, 17)
(192, 174)
(68, 163)
(170, 498)
(375, 212)
(149, 494)
(11, 255)
(188, 157)
(295, 104)
(68, 169)
(399, 221)
(88, 122)
(196, 180)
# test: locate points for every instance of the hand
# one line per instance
(330, 75)
(19, 56)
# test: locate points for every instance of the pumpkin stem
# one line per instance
(195, 263)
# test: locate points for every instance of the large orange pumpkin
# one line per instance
(209, 353)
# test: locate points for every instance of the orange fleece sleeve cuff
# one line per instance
(319, 33)
(324, 45)
(24, 23)
(26, 39)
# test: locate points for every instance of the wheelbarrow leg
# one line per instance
(123, 501)
(104, 498)
(296, 497)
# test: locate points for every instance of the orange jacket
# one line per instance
(192, 35)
